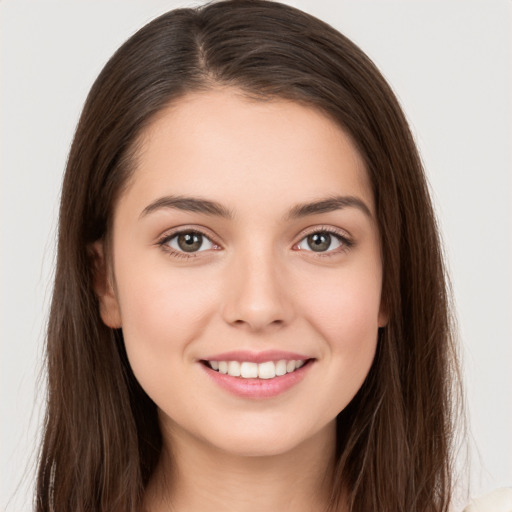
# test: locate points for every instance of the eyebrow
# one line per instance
(208, 207)
(330, 204)
(188, 204)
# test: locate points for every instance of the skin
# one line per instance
(257, 286)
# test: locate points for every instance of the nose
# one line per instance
(257, 297)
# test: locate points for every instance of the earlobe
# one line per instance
(383, 317)
(104, 288)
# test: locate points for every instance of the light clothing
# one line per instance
(499, 500)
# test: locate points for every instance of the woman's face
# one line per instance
(247, 235)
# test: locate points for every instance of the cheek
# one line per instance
(344, 311)
(344, 306)
(162, 312)
(159, 297)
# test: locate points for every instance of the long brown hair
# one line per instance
(101, 438)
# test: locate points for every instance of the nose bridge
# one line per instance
(256, 296)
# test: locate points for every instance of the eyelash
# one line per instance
(346, 242)
(163, 243)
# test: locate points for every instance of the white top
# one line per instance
(499, 500)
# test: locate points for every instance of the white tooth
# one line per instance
(299, 364)
(290, 366)
(223, 367)
(249, 370)
(281, 367)
(214, 365)
(234, 368)
(267, 370)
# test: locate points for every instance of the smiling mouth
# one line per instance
(251, 370)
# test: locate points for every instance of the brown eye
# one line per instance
(190, 241)
(321, 241)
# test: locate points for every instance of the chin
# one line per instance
(257, 440)
(255, 446)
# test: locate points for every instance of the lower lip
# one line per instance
(257, 388)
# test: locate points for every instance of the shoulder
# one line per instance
(499, 500)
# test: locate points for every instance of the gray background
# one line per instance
(448, 61)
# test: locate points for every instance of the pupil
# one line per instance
(190, 242)
(319, 241)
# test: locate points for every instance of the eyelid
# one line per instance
(344, 237)
(188, 228)
(168, 235)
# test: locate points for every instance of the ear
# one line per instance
(104, 288)
(383, 317)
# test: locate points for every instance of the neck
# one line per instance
(198, 476)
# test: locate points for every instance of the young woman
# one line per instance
(250, 308)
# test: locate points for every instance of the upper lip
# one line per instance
(256, 357)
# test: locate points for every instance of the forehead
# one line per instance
(246, 153)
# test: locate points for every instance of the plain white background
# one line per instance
(449, 62)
